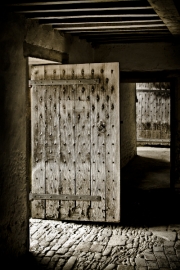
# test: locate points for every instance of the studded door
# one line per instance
(75, 130)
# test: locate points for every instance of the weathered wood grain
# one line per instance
(52, 151)
(98, 176)
(112, 143)
(82, 137)
(67, 161)
(155, 108)
(37, 147)
(81, 142)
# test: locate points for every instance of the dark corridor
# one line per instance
(146, 196)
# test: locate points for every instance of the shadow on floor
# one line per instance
(26, 262)
(146, 197)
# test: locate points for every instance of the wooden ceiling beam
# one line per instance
(84, 9)
(112, 41)
(115, 35)
(67, 2)
(128, 41)
(105, 34)
(168, 13)
(123, 37)
(137, 30)
(98, 19)
(42, 17)
(108, 26)
(107, 22)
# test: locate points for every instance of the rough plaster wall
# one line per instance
(13, 182)
(128, 127)
(44, 36)
(141, 57)
(80, 51)
(177, 135)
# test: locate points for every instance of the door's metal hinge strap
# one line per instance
(63, 82)
(63, 197)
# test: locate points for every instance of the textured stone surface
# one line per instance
(152, 265)
(169, 250)
(149, 257)
(158, 248)
(162, 262)
(168, 243)
(174, 227)
(140, 262)
(123, 267)
(177, 245)
(110, 267)
(160, 255)
(103, 249)
(167, 235)
(158, 228)
(107, 251)
(70, 263)
(13, 133)
(96, 248)
(117, 241)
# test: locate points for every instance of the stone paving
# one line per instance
(82, 246)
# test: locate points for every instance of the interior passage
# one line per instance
(146, 194)
(150, 169)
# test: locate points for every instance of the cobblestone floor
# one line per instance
(70, 245)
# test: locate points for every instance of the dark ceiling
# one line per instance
(108, 21)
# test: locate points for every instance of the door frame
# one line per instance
(161, 76)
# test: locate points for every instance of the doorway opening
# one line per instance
(153, 132)
(146, 179)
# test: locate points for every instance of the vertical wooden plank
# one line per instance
(98, 117)
(163, 125)
(148, 115)
(139, 114)
(37, 147)
(52, 150)
(155, 117)
(82, 146)
(143, 126)
(151, 114)
(159, 117)
(168, 115)
(67, 160)
(112, 143)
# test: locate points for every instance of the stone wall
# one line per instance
(175, 155)
(79, 51)
(128, 127)
(13, 137)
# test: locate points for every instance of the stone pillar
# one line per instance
(14, 229)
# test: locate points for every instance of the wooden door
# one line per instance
(153, 113)
(75, 129)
